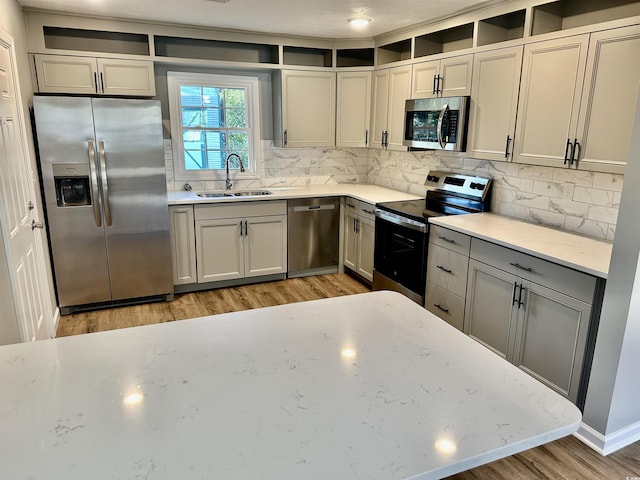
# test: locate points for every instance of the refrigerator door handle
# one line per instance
(94, 182)
(105, 185)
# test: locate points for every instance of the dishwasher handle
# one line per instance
(313, 208)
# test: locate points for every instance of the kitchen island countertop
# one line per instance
(369, 386)
(585, 254)
(367, 193)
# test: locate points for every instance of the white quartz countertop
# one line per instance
(367, 193)
(369, 387)
(585, 254)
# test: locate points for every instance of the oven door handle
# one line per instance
(397, 220)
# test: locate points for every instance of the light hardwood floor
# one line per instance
(565, 459)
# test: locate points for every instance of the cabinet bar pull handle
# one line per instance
(357, 225)
(513, 295)
(102, 81)
(285, 139)
(370, 212)
(520, 302)
(95, 81)
(576, 147)
(566, 151)
(435, 79)
(241, 234)
(246, 229)
(366, 137)
(517, 265)
(440, 80)
(446, 239)
(443, 268)
(438, 306)
(506, 149)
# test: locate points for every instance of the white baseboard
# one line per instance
(606, 444)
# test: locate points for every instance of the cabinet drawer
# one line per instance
(447, 269)
(458, 242)
(445, 305)
(359, 207)
(562, 279)
(240, 209)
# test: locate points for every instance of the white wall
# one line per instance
(612, 405)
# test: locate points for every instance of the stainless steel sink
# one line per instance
(251, 193)
(215, 194)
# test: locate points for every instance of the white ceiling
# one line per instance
(315, 18)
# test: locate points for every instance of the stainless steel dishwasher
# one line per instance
(313, 236)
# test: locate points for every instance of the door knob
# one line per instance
(35, 225)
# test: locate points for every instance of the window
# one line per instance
(213, 116)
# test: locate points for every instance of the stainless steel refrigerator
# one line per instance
(103, 177)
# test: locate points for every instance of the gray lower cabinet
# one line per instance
(359, 236)
(447, 265)
(542, 329)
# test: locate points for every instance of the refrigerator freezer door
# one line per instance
(65, 131)
(134, 196)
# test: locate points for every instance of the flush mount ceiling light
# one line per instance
(359, 21)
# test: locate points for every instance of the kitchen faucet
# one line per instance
(228, 180)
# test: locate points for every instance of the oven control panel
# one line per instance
(458, 183)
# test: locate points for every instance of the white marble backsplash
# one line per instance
(573, 200)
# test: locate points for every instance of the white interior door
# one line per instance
(22, 248)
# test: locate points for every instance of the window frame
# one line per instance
(251, 85)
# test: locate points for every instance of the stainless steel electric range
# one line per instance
(402, 229)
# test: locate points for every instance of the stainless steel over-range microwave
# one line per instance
(436, 123)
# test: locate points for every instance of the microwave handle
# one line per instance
(443, 112)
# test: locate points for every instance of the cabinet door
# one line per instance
(220, 249)
(126, 77)
(608, 103)
(353, 117)
(309, 108)
(423, 83)
(366, 238)
(494, 100)
(66, 74)
(380, 109)
(183, 245)
(455, 76)
(350, 245)
(265, 242)
(552, 78)
(490, 307)
(551, 337)
(399, 92)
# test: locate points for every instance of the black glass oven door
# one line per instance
(400, 254)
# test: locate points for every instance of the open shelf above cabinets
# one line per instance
(194, 48)
(444, 41)
(56, 38)
(566, 14)
(501, 28)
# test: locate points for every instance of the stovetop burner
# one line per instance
(453, 194)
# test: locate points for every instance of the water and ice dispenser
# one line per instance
(72, 184)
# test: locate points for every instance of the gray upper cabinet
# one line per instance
(607, 109)
(94, 76)
(494, 101)
(551, 84)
